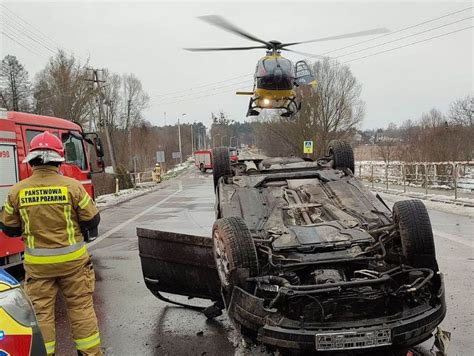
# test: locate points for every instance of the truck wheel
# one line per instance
(416, 235)
(342, 154)
(220, 164)
(234, 253)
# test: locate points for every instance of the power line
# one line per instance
(204, 85)
(10, 23)
(409, 44)
(45, 40)
(400, 30)
(206, 90)
(405, 37)
(199, 97)
(19, 43)
(28, 40)
(51, 41)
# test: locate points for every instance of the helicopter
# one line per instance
(276, 77)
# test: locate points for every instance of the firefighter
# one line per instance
(157, 173)
(55, 216)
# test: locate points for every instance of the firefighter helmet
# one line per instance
(46, 146)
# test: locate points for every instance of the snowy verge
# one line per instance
(108, 200)
(391, 197)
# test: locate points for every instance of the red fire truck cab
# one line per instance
(16, 132)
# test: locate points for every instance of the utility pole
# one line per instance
(192, 139)
(179, 141)
(129, 128)
(102, 122)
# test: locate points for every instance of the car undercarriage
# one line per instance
(304, 257)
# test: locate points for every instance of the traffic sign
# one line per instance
(160, 156)
(308, 147)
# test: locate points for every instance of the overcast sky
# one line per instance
(146, 38)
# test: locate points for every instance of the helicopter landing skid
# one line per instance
(291, 107)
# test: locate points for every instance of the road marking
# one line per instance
(455, 238)
(125, 223)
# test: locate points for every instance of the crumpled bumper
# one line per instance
(409, 328)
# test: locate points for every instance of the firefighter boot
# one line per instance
(42, 293)
(77, 290)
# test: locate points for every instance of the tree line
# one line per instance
(433, 137)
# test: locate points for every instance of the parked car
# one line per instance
(19, 331)
(304, 257)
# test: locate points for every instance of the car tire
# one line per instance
(416, 234)
(220, 164)
(234, 253)
(342, 153)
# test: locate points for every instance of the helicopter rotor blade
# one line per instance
(374, 31)
(209, 49)
(305, 53)
(222, 23)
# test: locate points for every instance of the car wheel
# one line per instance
(342, 154)
(234, 252)
(220, 164)
(416, 234)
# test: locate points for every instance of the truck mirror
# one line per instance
(76, 134)
(100, 163)
(99, 148)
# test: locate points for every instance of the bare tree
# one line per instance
(112, 96)
(135, 100)
(15, 87)
(461, 111)
(62, 90)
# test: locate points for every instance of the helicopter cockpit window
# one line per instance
(267, 66)
(275, 73)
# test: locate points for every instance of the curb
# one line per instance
(437, 199)
(162, 185)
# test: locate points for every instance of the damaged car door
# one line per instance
(178, 263)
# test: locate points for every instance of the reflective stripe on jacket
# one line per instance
(49, 208)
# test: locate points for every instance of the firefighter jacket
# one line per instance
(50, 209)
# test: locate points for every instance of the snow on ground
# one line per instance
(434, 205)
(107, 200)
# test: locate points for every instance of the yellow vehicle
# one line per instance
(276, 77)
(19, 331)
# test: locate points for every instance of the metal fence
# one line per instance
(447, 178)
(142, 177)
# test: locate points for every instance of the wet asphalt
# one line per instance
(133, 322)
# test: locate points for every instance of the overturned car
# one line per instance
(304, 257)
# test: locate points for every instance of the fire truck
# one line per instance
(203, 158)
(17, 129)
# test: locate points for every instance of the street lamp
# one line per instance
(179, 141)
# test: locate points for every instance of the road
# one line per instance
(134, 322)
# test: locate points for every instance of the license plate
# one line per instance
(349, 340)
